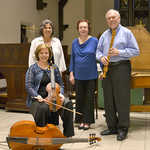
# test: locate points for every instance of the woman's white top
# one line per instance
(56, 48)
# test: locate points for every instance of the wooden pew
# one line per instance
(13, 66)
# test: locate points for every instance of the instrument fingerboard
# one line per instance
(52, 77)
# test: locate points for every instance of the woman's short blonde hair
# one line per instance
(39, 48)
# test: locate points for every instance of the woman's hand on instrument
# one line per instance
(113, 52)
(100, 76)
(39, 98)
(62, 98)
(104, 60)
(71, 78)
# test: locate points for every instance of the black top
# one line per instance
(42, 89)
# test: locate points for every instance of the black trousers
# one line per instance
(116, 88)
(43, 116)
(85, 100)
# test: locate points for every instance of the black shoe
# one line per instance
(109, 132)
(122, 134)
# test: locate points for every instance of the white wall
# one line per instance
(73, 11)
(15, 12)
(93, 10)
(98, 10)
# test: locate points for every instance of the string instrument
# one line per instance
(105, 69)
(54, 99)
(23, 136)
(53, 89)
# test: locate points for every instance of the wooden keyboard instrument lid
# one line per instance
(141, 63)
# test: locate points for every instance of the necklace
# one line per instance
(84, 39)
(47, 42)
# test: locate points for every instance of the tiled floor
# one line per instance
(138, 137)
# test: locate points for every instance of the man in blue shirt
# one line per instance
(116, 84)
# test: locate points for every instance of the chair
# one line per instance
(3, 92)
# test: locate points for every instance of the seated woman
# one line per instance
(37, 83)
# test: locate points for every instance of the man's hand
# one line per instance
(113, 52)
(104, 60)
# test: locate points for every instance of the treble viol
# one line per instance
(54, 100)
(105, 69)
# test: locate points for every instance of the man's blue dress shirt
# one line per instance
(124, 41)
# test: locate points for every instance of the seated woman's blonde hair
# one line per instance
(39, 48)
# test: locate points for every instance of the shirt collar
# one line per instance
(117, 30)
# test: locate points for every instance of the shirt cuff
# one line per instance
(121, 52)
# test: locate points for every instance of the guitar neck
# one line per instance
(68, 140)
(46, 141)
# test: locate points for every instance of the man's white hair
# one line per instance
(112, 10)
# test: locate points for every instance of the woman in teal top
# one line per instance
(83, 73)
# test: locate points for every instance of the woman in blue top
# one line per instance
(83, 73)
(37, 83)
